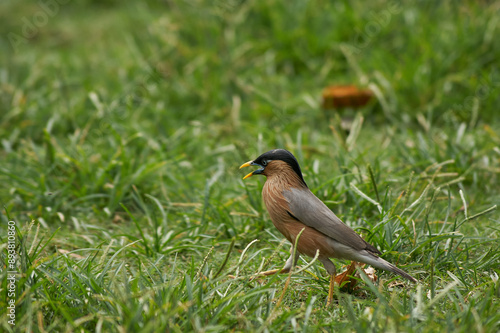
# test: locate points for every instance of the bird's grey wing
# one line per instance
(311, 211)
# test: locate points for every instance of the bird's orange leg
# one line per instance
(332, 271)
(288, 266)
(272, 272)
(330, 290)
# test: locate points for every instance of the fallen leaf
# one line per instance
(339, 97)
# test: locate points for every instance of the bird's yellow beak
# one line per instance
(244, 165)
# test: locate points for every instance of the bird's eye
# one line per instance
(264, 163)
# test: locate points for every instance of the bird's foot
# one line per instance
(330, 290)
(270, 272)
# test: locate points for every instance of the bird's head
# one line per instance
(274, 161)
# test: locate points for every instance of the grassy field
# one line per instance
(123, 124)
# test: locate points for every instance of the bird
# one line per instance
(295, 210)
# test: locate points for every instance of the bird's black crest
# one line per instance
(282, 155)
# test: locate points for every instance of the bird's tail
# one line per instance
(387, 266)
(371, 258)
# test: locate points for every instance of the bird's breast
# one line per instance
(310, 239)
(277, 206)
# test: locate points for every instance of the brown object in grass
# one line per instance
(346, 280)
(339, 97)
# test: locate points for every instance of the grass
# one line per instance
(123, 126)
